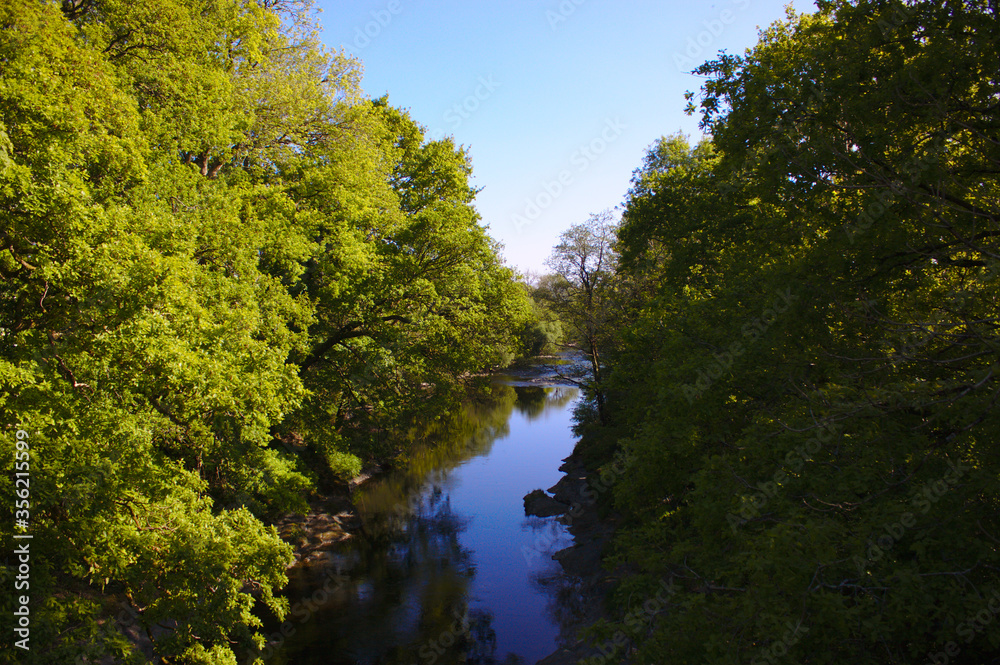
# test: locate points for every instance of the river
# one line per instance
(446, 568)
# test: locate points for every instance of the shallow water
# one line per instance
(447, 568)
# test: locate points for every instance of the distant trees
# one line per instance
(579, 287)
(544, 333)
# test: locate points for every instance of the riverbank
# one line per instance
(331, 519)
(332, 516)
(574, 588)
(583, 559)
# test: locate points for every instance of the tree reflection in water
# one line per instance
(533, 401)
(404, 597)
(566, 601)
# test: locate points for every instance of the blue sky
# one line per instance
(557, 101)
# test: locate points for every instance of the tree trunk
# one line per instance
(595, 364)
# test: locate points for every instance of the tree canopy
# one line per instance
(806, 384)
(214, 247)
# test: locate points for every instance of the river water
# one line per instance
(447, 568)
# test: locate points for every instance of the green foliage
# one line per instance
(805, 382)
(580, 290)
(540, 337)
(226, 276)
(543, 332)
(409, 291)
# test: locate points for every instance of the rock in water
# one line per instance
(540, 504)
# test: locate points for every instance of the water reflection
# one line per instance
(532, 401)
(407, 590)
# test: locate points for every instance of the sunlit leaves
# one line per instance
(211, 240)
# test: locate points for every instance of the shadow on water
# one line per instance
(401, 591)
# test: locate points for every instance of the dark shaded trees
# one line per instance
(810, 390)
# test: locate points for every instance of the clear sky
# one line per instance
(557, 101)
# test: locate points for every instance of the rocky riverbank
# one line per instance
(579, 593)
(574, 503)
(332, 518)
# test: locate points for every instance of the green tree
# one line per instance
(808, 390)
(209, 238)
(133, 311)
(583, 264)
(410, 292)
(543, 333)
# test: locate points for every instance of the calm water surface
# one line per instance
(442, 571)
